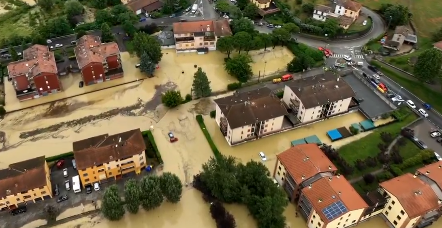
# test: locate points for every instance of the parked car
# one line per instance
(67, 185)
(410, 104)
(419, 143)
(60, 163)
(137, 65)
(426, 106)
(65, 172)
(377, 76)
(58, 45)
(364, 23)
(438, 157)
(48, 41)
(270, 26)
(439, 140)
(390, 94)
(372, 68)
(263, 156)
(74, 164)
(56, 190)
(88, 189)
(97, 186)
(19, 210)
(435, 134)
(278, 26)
(62, 198)
(397, 99)
(423, 112)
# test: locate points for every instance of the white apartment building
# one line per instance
(321, 12)
(318, 97)
(249, 115)
(345, 11)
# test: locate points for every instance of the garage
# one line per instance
(138, 12)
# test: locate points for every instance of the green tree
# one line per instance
(81, 33)
(2, 111)
(250, 11)
(172, 98)
(148, 44)
(151, 196)
(128, 16)
(428, 65)
(308, 8)
(397, 15)
(13, 53)
(106, 33)
(222, 6)
(239, 67)
(201, 84)
(114, 2)
(111, 204)
(73, 8)
(132, 194)
(55, 27)
(46, 4)
(280, 36)
(171, 187)
(331, 27)
(119, 9)
(38, 39)
(235, 12)
(51, 212)
(291, 28)
(242, 3)
(225, 45)
(257, 43)
(99, 4)
(104, 16)
(242, 25)
(129, 28)
(437, 36)
(266, 39)
(300, 63)
(147, 65)
(242, 41)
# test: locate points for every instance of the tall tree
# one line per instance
(222, 6)
(148, 44)
(201, 84)
(81, 33)
(331, 27)
(114, 2)
(171, 187)
(291, 28)
(51, 212)
(46, 4)
(172, 99)
(437, 36)
(280, 36)
(250, 11)
(257, 43)
(112, 205)
(129, 28)
(151, 196)
(106, 33)
(99, 4)
(225, 45)
(132, 194)
(242, 4)
(147, 65)
(266, 39)
(242, 25)
(428, 65)
(54, 27)
(239, 67)
(73, 8)
(104, 16)
(397, 15)
(242, 41)
(13, 53)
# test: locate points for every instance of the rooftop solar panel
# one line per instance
(334, 210)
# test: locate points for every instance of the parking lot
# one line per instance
(422, 132)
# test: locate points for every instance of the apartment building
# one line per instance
(432, 176)
(411, 201)
(36, 74)
(199, 36)
(109, 157)
(98, 61)
(249, 115)
(344, 11)
(24, 182)
(318, 97)
(348, 8)
(299, 166)
(331, 202)
(262, 4)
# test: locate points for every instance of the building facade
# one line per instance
(262, 4)
(321, 12)
(344, 11)
(144, 6)
(109, 157)
(299, 166)
(319, 97)
(348, 8)
(250, 115)
(411, 202)
(199, 36)
(98, 62)
(36, 74)
(24, 182)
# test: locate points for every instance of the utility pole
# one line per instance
(389, 22)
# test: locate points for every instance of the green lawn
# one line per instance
(420, 90)
(409, 150)
(15, 22)
(362, 188)
(359, 26)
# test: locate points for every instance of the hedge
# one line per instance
(60, 156)
(200, 120)
(154, 145)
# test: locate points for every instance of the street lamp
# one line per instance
(265, 64)
(389, 22)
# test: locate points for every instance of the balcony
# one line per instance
(288, 189)
(209, 38)
(223, 125)
(294, 102)
(185, 40)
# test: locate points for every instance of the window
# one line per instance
(43, 192)
(312, 117)
(346, 220)
(319, 224)
(339, 223)
(314, 216)
(343, 225)
(386, 212)
(389, 207)
(18, 199)
(392, 202)
(279, 173)
(110, 173)
(402, 212)
(85, 174)
(248, 130)
(279, 167)
(349, 215)
(201, 44)
(108, 168)
(394, 222)
(311, 221)
(353, 221)
(282, 178)
(398, 218)
(341, 218)
(241, 132)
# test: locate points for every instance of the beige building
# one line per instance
(109, 157)
(344, 11)
(331, 202)
(348, 8)
(299, 166)
(249, 115)
(431, 175)
(410, 201)
(24, 182)
(199, 36)
(262, 4)
(402, 35)
(318, 97)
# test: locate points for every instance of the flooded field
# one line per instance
(270, 61)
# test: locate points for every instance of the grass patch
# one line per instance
(409, 150)
(15, 22)
(70, 51)
(357, 26)
(149, 136)
(200, 120)
(419, 89)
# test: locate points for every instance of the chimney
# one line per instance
(339, 175)
(428, 172)
(320, 200)
(418, 192)
(334, 197)
(330, 178)
(329, 167)
(339, 193)
(310, 186)
(336, 86)
(440, 166)
(119, 139)
(208, 28)
(414, 176)
(303, 177)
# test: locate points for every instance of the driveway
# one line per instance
(422, 132)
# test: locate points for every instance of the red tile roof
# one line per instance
(221, 27)
(438, 45)
(415, 196)
(305, 161)
(433, 171)
(90, 50)
(327, 190)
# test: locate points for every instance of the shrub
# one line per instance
(149, 135)
(280, 94)
(234, 86)
(385, 116)
(60, 156)
(386, 137)
(369, 178)
(200, 120)
(384, 176)
(360, 165)
(212, 114)
(188, 98)
(72, 57)
(395, 170)
(353, 130)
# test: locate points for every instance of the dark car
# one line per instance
(56, 190)
(62, 198)
(19, 210)
(372, 68)
(439, 140)
(89, 189)
(419, 143)
(80, 84)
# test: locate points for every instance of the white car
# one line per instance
(347, 58)
(67, 185)
(65, 172)
(48, 41)
(397, 99)
(263, 156)
(278, 26)
(435, 134)
(96, 186)
(377, 76)
(411, 104)
(226, 17)
(58, 45)
(423, 112)
(439, 158)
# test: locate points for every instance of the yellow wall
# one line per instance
(280, 173)
(347, 219)
(395, 213)
(112, 169)
(261, 6)
(352, 14)
(30, 195)
(314, 220)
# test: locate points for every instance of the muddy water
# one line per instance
(270, 61)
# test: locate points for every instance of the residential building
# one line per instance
(24, 182)
(402, 35)
(36, 74)
(411, 201)
(344, 11)
(144, 6)
(262, 4)
(299, 166)
(331, 202)
(318, 97)
(109, 157)
(98, 61)
(321, 12)
(432, 176)
(438, 45)
(348, 8)
(199, 36)
(249, 115)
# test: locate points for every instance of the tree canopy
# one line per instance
(395, 14)
(201, 84)
(428, 65)
(239, 67)
(226, 45)
(242, 25)
(172, 98)
(112, 205)
(46, 4)
(132, 196)
(171, 187)
(73, 8)
(106, 33)
(148, 44)
(147, 65)
(151, 196)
